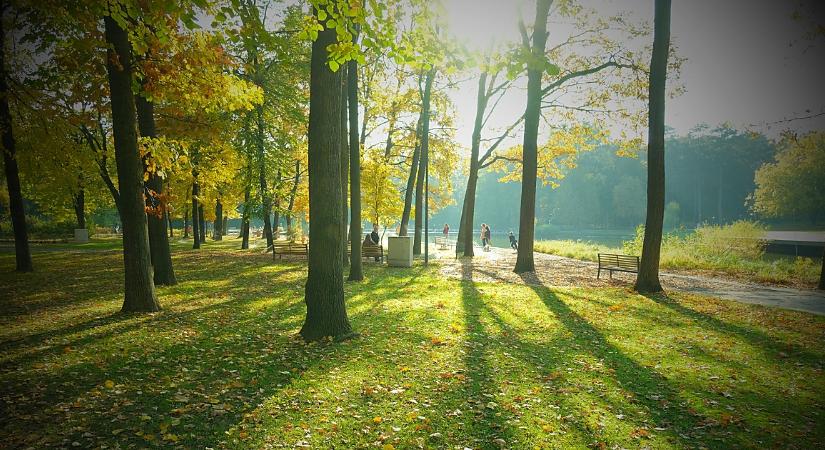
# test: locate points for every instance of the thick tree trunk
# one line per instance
(648, 278)
(422, 172)
(464, 241)
(356, 271)
(139, 286)
(527, 216)
(217, 232)
(324, 294)
(196, 223)
(164, 274)
(344, 167)
(23, 256)
(79, 205)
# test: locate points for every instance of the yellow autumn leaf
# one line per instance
(387, 447)
(109, 384)
(377, 419)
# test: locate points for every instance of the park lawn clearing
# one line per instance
(439, 363)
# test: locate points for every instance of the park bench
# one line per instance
(369, 251)
(617, 263)
(443, 243)
(282, 248)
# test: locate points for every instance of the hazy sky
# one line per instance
(740, 66)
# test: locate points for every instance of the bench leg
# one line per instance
(611, 274)
(599, 273)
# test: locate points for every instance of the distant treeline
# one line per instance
(709, 178)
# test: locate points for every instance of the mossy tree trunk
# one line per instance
(139, 286)
(324, 292)
(647, 279)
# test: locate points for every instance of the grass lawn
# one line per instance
(439, 363)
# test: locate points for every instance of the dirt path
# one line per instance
(552, 270)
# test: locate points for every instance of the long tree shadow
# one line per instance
(652, 391)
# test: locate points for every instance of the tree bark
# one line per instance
(266, 200)
(344, 166)
(164, 273)
(217, 232)
(186, 222)
(464, 241)
(324, 292)
(139, 286)
(196, 223)
(647, 279)
(527, 216)
(422, 172)
(79, 205)
(356, 271)
(22, 253)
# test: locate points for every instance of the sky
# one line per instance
(741, 67)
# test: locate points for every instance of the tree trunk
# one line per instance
(202, 221)
(79, 204)
(186, 222)
(139, 287)
(196, 223)
(217, 232)
(344, 167)
(422, 172)
(23, 256)
(164, 274)
(324, 293)
(648, 277)
(292, 198)
(408, 194)
(356, 271)
(527, 216)
(266, 200)
(464, 241)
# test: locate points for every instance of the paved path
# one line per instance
(552, 270)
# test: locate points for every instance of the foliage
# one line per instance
(794, 184)
(477, 365)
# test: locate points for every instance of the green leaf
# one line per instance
(333, 65)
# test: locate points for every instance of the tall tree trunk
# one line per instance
(140, 289)
(266, 200)
(464, 241)
(217, 232)
(23, 256)
(202, 221)
(422, 172)
(408, 194)
(344, 167)
(292, 198)
(648, 277)
(196, 223)
(356, 271)
(164, 274)
(527, 216)
(186, 222)
(79, 204)
(324, 293)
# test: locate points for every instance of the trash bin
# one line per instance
(399, 251)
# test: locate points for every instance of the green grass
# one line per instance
(439, 364)
(800, 272)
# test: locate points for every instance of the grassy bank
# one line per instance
(735, 250)
(439, 364)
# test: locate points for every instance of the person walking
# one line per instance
(488, 237)
(513, 241)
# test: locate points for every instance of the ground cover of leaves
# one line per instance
(440, 363)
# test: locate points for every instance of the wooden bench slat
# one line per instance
(617, 263)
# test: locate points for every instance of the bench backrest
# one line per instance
(372, 250)
(621, 261)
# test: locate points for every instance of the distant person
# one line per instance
(374, 236)
(488, 237)
(513, 241)
(446, 231)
